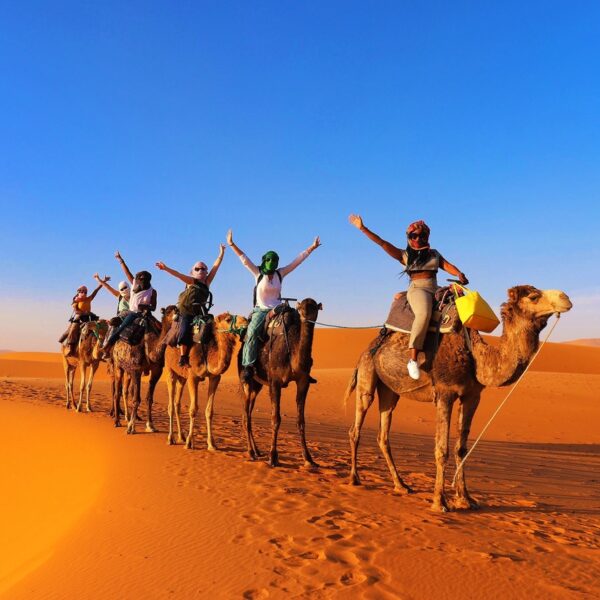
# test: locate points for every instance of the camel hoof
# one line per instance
(465, 503)
(89, 409)
(150, 428)
(354, 479)
(77, 409)
(170, 441)
(403, 490)
(212, 448)
(440, 506)
(311, 465)
(189, 445)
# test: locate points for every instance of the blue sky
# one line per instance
(152, 128)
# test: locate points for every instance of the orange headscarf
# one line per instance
(422, 231)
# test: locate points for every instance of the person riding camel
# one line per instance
(82, 312)
(421, 264)
(193, 300)
(123, 293)
(142, 299)
(267, 295)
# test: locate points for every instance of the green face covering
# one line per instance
(270, 262)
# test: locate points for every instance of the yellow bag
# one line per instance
(474, 311)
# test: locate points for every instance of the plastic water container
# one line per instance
(474, 311)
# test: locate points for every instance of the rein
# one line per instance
(233, 327)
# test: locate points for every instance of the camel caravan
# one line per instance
(429, 349)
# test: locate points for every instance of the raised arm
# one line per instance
(300, 258)
(104, 283)
(245, 260)
(450, 268)
(93, 294)
(217, 264)
(394, 252)
(187, 279)
(124, 267)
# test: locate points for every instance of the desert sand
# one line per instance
(88, 511)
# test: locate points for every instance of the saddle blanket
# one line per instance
(401, 316)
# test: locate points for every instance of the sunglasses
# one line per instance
(123, 289)
(200, 269)
(415, 236)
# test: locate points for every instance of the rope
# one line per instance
(462, 462)
(345, 326)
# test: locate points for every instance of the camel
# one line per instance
(88, 359)
(128, 363)
(453, 373)
(283, 358)
(208, 360)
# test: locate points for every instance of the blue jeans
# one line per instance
(185, 330)
(129, 318)
(250, 351)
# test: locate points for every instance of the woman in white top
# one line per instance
(267, 295)
(143, 297)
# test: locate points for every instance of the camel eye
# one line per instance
(534, 297)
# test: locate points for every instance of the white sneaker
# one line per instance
(413, 369)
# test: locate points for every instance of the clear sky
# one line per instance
(152, 128)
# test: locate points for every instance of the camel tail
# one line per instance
(351, 387)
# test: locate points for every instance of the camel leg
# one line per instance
(444, 403)
(126, 394)
(68, 383)
(193, 392)
(466, 410)
(118, 390)
(88, 387)
(250, 392)
(301, 392)
(136, 384)
(170, 404)
(275, 389)
(178, 391)
(83, 368)
(154, 377)
(213, 384)
(365, 393)
(387, 402)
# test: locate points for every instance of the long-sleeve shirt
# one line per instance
(268, 290)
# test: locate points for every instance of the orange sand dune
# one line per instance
(595, 342)
(333, 349)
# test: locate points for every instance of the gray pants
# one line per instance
(420, 297)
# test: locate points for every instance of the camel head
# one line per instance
(308, 309)
(531, 304)
(228, 323)
(168, 316)
(100, 332)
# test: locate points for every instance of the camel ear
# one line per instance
(513, 294)
(319, 306)
(162, 311)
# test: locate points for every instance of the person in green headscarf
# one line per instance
(267, 295)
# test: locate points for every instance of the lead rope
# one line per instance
(462, 462)
(345, 326)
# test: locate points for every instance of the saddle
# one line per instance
(274, 324)
(201, 328)
(134, 333)
(444, 316)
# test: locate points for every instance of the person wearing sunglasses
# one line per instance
(267, 296)
(122, 294)
(421, 263)
(82, 312)
(142, 298)
(193, 301)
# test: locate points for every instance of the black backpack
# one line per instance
(260, 277)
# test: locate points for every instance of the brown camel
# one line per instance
(284, 357)
(454, 373)
(88, 359)
(129, 362)
(208, 360)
